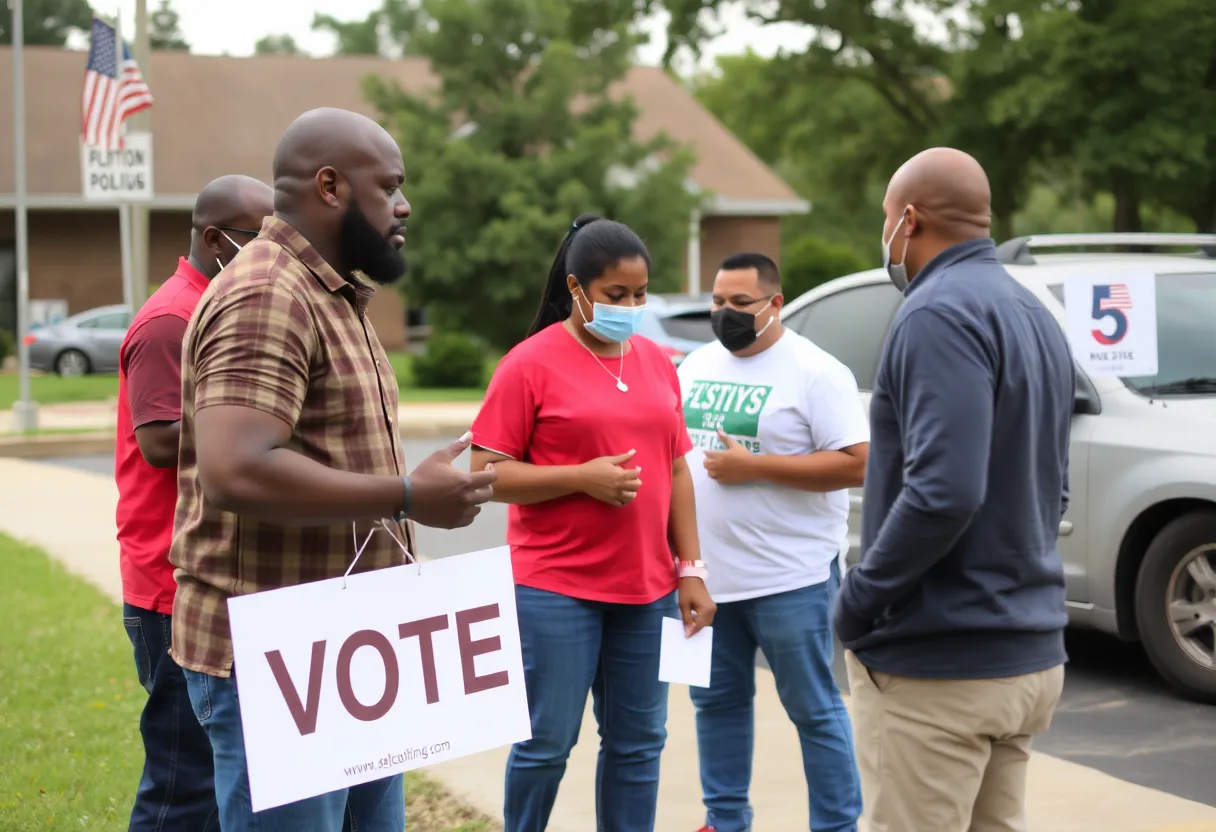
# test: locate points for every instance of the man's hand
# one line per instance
(445, 498)
(696, 607)
(732, 466)
(848, 624)
(606, 479)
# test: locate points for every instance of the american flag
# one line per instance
(1119, 298)
(113, 91)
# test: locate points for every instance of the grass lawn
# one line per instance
(69, 709)
(51, 389)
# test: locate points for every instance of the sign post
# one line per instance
(345, 681)
(25, 412)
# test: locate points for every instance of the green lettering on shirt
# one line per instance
(734, 408)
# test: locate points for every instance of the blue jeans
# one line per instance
(571, 647)
(795, 632)
(177, 787)
(378, 806)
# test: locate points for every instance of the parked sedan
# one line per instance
(84, 343)
(677, 323)
(1139, 537)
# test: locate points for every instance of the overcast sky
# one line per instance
(217, 26)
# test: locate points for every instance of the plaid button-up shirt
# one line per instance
(281, 332)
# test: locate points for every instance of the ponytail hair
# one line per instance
(586, 252)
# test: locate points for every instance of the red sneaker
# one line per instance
(706, 829)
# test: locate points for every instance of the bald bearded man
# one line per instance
(289, 437)
(954, 617)
(176, 789)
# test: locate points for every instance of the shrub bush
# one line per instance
(809, 261)
(8, 345)
(451, 360)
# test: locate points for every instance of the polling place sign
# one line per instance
(1112, 322)
(118, 175)
(399, 669)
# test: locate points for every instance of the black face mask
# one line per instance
(367, 250)
(736, 330)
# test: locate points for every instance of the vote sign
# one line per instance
(402, 668)
(1112, 322)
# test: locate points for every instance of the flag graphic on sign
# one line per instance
(1110, 301)
(114, 90)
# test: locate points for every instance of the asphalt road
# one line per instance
(1116, 714)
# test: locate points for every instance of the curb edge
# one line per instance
(94, 443)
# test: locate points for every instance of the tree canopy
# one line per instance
(47, 22)
(523, 132)
(1067, 103)
(164, 29)
(277, 45)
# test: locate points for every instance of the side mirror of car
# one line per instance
(1086, 399)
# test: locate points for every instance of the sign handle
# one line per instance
(124, 237)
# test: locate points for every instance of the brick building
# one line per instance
(219, 115)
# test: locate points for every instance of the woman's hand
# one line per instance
(696, 607)
(606, 479)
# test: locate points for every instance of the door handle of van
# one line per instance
(1065, 528)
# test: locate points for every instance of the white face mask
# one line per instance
(898, 272)
(229, 239)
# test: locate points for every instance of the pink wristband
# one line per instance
(692, 569)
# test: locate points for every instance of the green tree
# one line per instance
(1126, 93)
(276, 45)
(47, 22)
(538, 140)
(165, 29)
(808, 261)
(386, 31)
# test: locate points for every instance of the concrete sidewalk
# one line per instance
(87, 428)
(70, 514)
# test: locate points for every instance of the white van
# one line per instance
(1139, 538)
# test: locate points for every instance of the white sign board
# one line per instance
(403, 668)
(47, 312)
(1112, 322)
(118, 175)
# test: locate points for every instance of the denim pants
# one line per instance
(795, 632)
(571, 647)
(378, 806)
(176, 789)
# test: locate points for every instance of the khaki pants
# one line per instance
(947, 755)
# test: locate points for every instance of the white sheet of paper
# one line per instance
(682, 660)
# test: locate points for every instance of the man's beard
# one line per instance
(364, 249)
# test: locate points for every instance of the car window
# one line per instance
(851, 325)
(694, 326)
(1186, 307)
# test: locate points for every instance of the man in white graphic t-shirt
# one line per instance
(779, 434)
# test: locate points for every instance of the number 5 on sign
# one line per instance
(1112, 322)
(402, 668)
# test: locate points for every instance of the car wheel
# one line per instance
(72, 363)
(1176, 604)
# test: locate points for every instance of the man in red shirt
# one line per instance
(176, 790)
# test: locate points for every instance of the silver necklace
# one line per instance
(620, 385)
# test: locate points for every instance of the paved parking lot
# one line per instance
(1116, 716)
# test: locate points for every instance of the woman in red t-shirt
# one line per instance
(584, 424)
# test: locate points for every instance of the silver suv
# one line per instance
(1139, 538)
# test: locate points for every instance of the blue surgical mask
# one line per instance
(613, 324)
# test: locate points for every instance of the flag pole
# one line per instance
(25, 412)
(124, 207)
